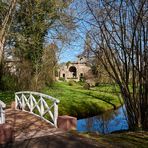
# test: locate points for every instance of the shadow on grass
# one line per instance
(129, 139)
(105, 99)
(88, 109)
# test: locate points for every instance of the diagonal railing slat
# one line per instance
(38, 104)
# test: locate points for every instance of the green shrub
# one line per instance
(81, 83)
(82, 79)
(71, 83)
(86, 86)
(97, 84)
(9, 82)
(7, 97)
(62, 79)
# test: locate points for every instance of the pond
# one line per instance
(110, 121)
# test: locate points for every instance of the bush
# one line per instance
(97, 84)
(81, 83)
(62, 79)
(9, 82)
(82, 79)
(71, 83)
(86, 86)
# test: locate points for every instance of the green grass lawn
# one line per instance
(76, 101)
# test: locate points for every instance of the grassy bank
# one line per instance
(76, 101)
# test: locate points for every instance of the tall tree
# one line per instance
(33, 21)
(5, 22)
(120, 33)
(7, 10)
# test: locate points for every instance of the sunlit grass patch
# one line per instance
(76, 101)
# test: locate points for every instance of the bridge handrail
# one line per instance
(2, 112)
(37, 93)
(41, 105)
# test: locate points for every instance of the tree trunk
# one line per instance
(5, 27)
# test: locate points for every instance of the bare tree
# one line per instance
(5, 26)
(120, 33)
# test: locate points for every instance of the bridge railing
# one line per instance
(2, 112)
(38, 104)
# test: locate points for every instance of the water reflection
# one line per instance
(105, 123)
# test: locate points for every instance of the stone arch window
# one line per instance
(81, 74)
(73, 70)
(63, 75)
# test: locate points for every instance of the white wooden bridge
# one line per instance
(38, 104)
(34, 115)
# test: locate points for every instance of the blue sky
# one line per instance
(69, 55)
(70, 52)
(76, 46)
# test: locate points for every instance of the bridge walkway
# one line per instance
(27, 126)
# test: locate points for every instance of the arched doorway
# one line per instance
(73, 70)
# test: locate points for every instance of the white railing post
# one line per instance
(2, 116)
(2, 112)
(42, 107)
(16, 101)
(55, 113)
(23, 102)
(31, 103)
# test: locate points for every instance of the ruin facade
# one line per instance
(74, 70)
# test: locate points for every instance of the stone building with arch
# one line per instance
(74, 70)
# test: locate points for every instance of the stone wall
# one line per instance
(73, 71)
